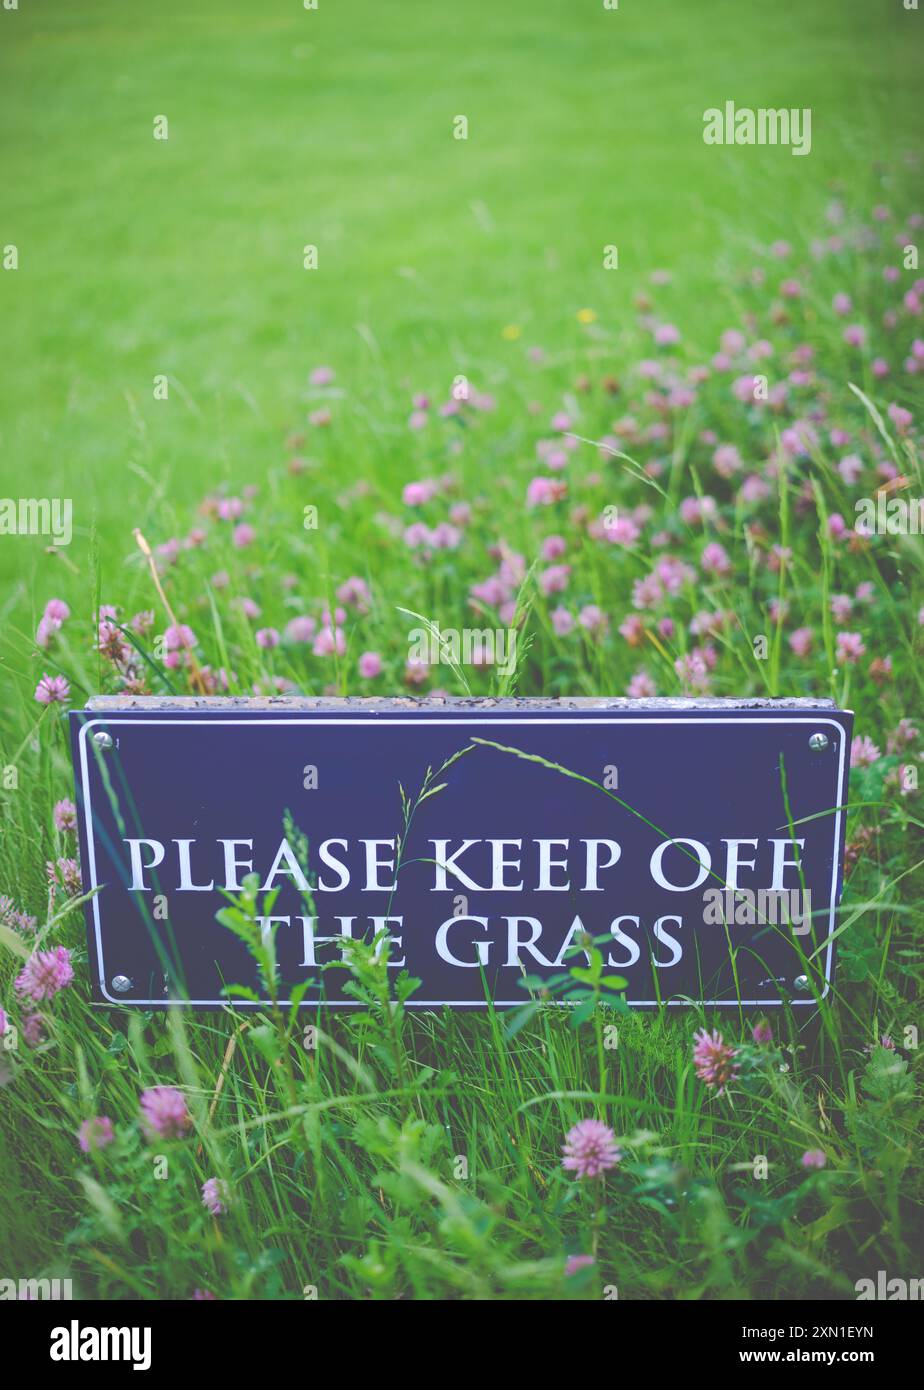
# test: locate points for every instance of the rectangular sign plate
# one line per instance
(543, 820)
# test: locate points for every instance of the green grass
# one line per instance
(184, 258)
(334, 128)
(346, 1173)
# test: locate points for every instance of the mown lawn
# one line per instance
(333, 127)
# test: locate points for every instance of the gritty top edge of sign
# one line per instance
(444, 702)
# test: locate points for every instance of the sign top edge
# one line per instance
(407, 703)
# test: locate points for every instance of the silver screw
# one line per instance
(801, 982)
(818, 742)
(102, 740)
(121, 984)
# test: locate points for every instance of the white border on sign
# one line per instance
(490, 720)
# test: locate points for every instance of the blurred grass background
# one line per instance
(334, 127)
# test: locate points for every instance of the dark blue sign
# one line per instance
(700, 843)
